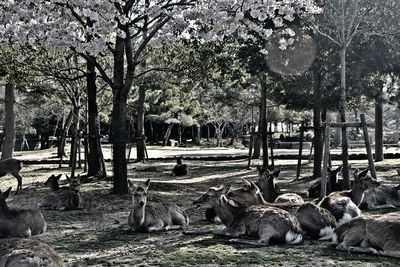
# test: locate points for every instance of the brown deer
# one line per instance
(317, 222)
(333, 184)
(52, 183)
(62, 200)
(19, 222)
(27, 252)
(381, 197)
(179, 169)
(270, 190)
(12, 166)
(267, 224)
(344, 204)
(149, 217)
(376, 234)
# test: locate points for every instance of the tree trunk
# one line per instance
(338, 133)
(75, 136)
(379, 126)
(264, 125)
(140, 135)
(9, 121)
(197, 136)
(257, 139)
(96, 164)
(63, 137)
(167, 134)
(208, 132)
(318, 144)
(342, 109)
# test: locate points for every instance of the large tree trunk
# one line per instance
(318, 144)
(63, 137)
(379, 125)
(75, 135)
(96, 165)
(140, 135)
(167, 134)
(264, 125)
(9, 121)
(342, 109)
(257, 138)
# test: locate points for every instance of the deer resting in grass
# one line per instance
(149, 217)
(381, 197)
(19, 222)
(332, 184)
(317, 222)
(270, 190)
(267, 224)
(17, 252)
(12, 166)
(344, 204)
(69, 199)
(179, 169)
(376, 234)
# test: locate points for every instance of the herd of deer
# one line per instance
(254, 213)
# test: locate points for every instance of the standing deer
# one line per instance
(16, 252)
(70, 199)
(12, 166)
(344, 204)
(376, 234)
(333, 184)
(270, 190)
(179, 169)
(149, 217)
(267, 224)
(19, 222)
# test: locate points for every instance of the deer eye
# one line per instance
(136, 194)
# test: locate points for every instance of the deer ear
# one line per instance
(276, 174)
(67, 177)
(339, 169)
(246, 183)
(362, 174)
(254, 187)
(58, 176)
(6, 194)
(147, 183)
(329, 169)
(227, 189)
(131, 185)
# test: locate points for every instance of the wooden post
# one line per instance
(300, 150)
(326, 158)
(250, 147)
(368, 146)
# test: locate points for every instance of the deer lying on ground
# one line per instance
(16, 252)
(149, 217)
(317, 222)
(344, 204)
(179, 169)
(270, 190)
(268, 224)
(19, 222)
(332, 184)
(376, 234)
(12, 166)
(69, 199)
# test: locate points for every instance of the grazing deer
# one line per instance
(381, 197)
(149, 217)
(179, 169)
(344, 204)
(268, 224)
(270, 190)
(332, 184)
(12, 166)
(376, 234)
(62, 200)
(27, 252)
(52, 183)
(19, 222)
(315, 221)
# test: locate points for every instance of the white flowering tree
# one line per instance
(125, 28)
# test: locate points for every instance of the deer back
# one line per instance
(11, 166)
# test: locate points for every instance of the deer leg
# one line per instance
(19, 178)
(156, 226)
(250, 242)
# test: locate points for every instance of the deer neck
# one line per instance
(269, 193)
(356, 193)
(138, 215)
(4, 208)
(224, 214)
(54, 187)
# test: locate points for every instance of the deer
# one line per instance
(271, 191)
(344, 204)
(267, 224)
(12, 166)
(63, 200)
(19, 222)
(52, 183)
(381, 197)
(179, 169)
(27, 252)
(333, 184)
(317, 222)
(376, 234)
(149, 217)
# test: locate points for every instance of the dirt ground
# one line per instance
(99, 234)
